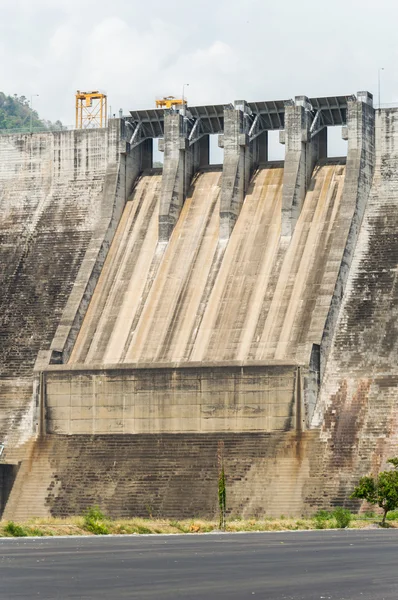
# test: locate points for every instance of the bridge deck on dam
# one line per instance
(200, 299)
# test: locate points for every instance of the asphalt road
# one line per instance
(290, 566)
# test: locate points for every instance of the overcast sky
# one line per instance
(225, 50)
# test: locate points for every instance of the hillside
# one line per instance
(15, 113)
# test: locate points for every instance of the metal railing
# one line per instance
(26, 130)
(386, 105)
(50, 129)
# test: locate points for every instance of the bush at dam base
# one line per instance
(95, 523)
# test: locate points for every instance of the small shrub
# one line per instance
(392, 515)
(97, 528)
(15, 530)
(323, 514)
(94, 513)
(321, 519)
(342, 517)
(320, 523)
(94, 521)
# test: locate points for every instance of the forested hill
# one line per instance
(15, 113)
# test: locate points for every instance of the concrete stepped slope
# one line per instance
(358, 408)
(149, 293)
(51, 202)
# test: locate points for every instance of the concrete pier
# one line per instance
(360, 166)
(240, 157)
(181, 160)
(301, 154)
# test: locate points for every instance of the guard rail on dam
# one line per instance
(206, 303)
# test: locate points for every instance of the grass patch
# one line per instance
(94, 522)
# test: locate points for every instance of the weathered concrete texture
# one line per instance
(170, 475)
(202, 299)
(269, 300)
(240, 157)
(149, 296)
(171, 400)
(172, 305)
(51, 202)
(126, 278)
(301, 154)
(181, 160)
(361, 156)
(358, 409)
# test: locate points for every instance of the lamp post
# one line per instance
(184, 85)
(379, 71)
(31, 111)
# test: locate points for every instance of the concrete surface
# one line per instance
(330, 565)
(301, 154)
(172, 400)
(170, 475)
(357, 409)
(51, 203)
(150, 293)
(200, 299)
(237, 167)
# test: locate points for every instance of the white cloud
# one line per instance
(225, 50)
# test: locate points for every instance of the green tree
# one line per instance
(15, 113)
(381, 490)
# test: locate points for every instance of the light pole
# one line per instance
(379, 71)
(184, 85)
(31, 111)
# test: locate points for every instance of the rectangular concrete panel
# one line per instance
(157, 400)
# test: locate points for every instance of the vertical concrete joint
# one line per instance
(299, 409)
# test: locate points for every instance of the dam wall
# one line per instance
(357, 411)
(58, 191)
(268, 326)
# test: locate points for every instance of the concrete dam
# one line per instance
(148, 314)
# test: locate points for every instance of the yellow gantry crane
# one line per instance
(170, 101)
(91, 109)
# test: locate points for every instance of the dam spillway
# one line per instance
(200, 299)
